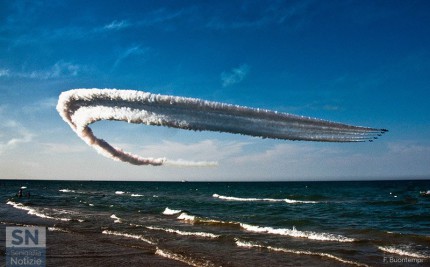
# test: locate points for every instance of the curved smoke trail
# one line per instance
(82, 107)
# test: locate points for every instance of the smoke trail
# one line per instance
(82, 107)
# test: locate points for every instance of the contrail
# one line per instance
(82, 107)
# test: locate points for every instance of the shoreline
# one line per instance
(92, 249)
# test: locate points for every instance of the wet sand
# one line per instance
(92, 249)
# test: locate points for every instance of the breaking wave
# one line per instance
(116, 219)
(168, 211)
(291, 201)
(57, 229)
(266, 230)
(199, 220)
(67, 191)
(184, 233)
(404, 251)
(248, 244)
(82, 107)
(139, 237)
(35, 212)
(187, 260)
(296, 233)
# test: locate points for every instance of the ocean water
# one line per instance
(236, 224)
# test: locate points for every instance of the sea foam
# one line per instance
(116, 219)
(404, 251)
(187, 260)
(248, 244)
(184, 233)
(67, 191)
(290, 201)
(139, 237)
(296, 233)
(168, 211)
(33, 211)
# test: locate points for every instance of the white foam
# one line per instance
(248, 244)
(184, 259)
(403, 251)
(290, 201)
(32, 211)
(67, 191)
(184, 216)
(184, 233)
(136, 195)
(296, 233)
(56, 229)
(139, 237)
(119, 192)
(168, 211)
(116, 219)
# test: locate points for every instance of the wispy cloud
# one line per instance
(60, 69)
(236, 75)
(135, 50)
(4, 72)
(162, 16)
(41, 105)
(12, 133)
(116, 25)
(276, 13)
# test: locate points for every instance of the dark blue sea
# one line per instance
(356, 223)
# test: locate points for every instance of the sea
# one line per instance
(330, 223)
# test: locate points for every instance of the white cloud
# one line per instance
(41, 105)
(12, 133)
(292, 15)
(236, 75)
(135, 50)
(116, 25)
(59, 69)
(4, 72)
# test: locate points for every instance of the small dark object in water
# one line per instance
(425, 194)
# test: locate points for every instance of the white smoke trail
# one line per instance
(82, 107)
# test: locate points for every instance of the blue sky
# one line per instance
(358, 62)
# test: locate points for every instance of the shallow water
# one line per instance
(237, 224)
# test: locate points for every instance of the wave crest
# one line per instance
(168, 211)
(248, 244)
(296, 233)
(404, 251)
(290, 201)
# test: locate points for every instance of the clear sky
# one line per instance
(357, 62)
